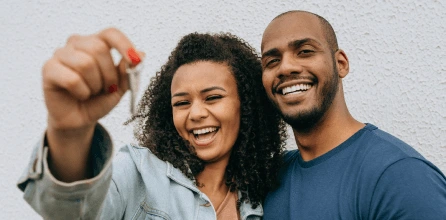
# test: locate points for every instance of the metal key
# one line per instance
(133, 73)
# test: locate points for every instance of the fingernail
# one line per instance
(113, 88)
(134, 57)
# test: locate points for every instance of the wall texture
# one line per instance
(397, 52)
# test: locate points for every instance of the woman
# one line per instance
(209, 141)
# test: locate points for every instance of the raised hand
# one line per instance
(81, 84)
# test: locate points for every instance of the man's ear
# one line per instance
(342, 63)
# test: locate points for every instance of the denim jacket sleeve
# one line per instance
(53, 199)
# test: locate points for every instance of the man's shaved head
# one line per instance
(327, 29)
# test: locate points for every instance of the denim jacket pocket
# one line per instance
(149, 213)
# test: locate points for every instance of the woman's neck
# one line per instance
(212, 178)
(212, 182)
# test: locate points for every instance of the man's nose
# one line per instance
(290, 64)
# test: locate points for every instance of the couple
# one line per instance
(210, 138)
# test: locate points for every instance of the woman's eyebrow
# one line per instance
(212, 88)
(180, 94)
(202, 91)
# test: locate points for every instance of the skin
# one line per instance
(77, 77)
(204, 95)
(295, 51)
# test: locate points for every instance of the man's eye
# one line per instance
(306, 51)
(213, 97)
(180, 103)
(272, 62)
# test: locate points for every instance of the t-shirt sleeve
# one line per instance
(410, 189)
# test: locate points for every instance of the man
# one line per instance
(343, 169)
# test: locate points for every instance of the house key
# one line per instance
(133, 73)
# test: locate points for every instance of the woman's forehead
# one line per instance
(199, 75)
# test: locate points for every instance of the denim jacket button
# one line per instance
(206, 204)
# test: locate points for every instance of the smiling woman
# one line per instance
(206, 109)
(210, 143)
(224, 128)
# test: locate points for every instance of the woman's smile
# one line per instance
(204, 136)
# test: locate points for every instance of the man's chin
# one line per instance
(303, 121)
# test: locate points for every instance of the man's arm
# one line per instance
(410, 189)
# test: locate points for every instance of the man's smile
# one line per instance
(298, 88)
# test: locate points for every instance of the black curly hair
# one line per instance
(256, 156)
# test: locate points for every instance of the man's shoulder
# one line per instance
(387, 145)
(378, 150)
(289, 156)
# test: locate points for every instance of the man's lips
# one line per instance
(299, 88)
(292, 86)
(287, 81)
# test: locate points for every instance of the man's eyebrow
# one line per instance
(202, 91)
(272, 52)
(300, 42)
(293, 44)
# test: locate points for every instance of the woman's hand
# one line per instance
(81, 84)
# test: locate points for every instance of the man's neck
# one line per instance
(332, 130)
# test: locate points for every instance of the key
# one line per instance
(133, 73)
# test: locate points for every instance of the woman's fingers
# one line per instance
(83, 64)
(57, 76)
(100, 51)
(81, 82)
(84, 67)
(100, 75)
(116, 39)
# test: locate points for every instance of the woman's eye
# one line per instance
(180, 103)
(213, 97)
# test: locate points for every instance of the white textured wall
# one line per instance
(396, 50)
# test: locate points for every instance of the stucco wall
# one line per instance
(397, 53)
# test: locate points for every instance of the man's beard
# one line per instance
(305, 120)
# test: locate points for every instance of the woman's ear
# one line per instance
(342, 63)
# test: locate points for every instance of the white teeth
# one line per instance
(204, 130)
(295, 88)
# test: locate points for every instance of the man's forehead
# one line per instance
(293, 17)
(289, 27)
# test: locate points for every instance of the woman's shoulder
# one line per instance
(133, 157)
(136, 167)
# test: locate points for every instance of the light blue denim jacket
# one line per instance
(139, 186)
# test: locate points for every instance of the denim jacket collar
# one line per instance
(177, 176)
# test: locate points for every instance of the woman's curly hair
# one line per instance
(256, 155)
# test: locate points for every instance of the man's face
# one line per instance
(299, 71)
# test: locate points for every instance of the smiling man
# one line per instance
(343, 169)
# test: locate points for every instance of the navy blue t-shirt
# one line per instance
(372, 175)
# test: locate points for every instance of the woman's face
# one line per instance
(206, 108)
